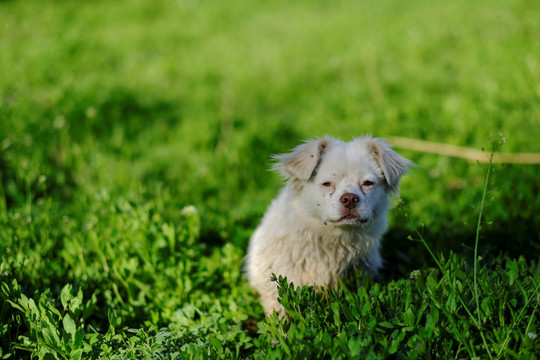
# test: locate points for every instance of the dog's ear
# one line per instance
(302, 161)
(392, 164)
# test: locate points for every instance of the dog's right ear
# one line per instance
(302, 161)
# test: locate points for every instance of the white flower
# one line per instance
(189, 210)
(501, 138)
(415, 274)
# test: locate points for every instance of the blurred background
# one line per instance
(182, 103)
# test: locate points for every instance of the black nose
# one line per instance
(349, 200)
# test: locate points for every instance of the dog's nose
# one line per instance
(349, 200)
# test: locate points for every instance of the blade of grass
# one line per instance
(476, 320)
(520, 316)
(476, 240)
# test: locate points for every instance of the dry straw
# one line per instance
(469, 154)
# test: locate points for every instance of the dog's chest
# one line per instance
(321, 261)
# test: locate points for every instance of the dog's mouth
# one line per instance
(350, 219)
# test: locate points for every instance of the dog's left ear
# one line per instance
(392, 164)
(302, 161)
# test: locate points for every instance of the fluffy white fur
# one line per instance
(329, 218)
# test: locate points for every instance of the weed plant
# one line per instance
(134, 147)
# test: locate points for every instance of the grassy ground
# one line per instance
(135, 139)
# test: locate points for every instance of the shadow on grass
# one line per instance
(512, 239)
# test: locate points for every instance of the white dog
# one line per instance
(329, 217)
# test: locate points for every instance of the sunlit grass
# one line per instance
(135, 140)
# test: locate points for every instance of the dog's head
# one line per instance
(341, 183)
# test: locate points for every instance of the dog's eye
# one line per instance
(327, 184)
(368, 183)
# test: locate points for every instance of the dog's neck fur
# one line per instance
(338, 248)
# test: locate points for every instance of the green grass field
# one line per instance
(135, 143)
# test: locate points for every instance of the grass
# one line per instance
(135, 140)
